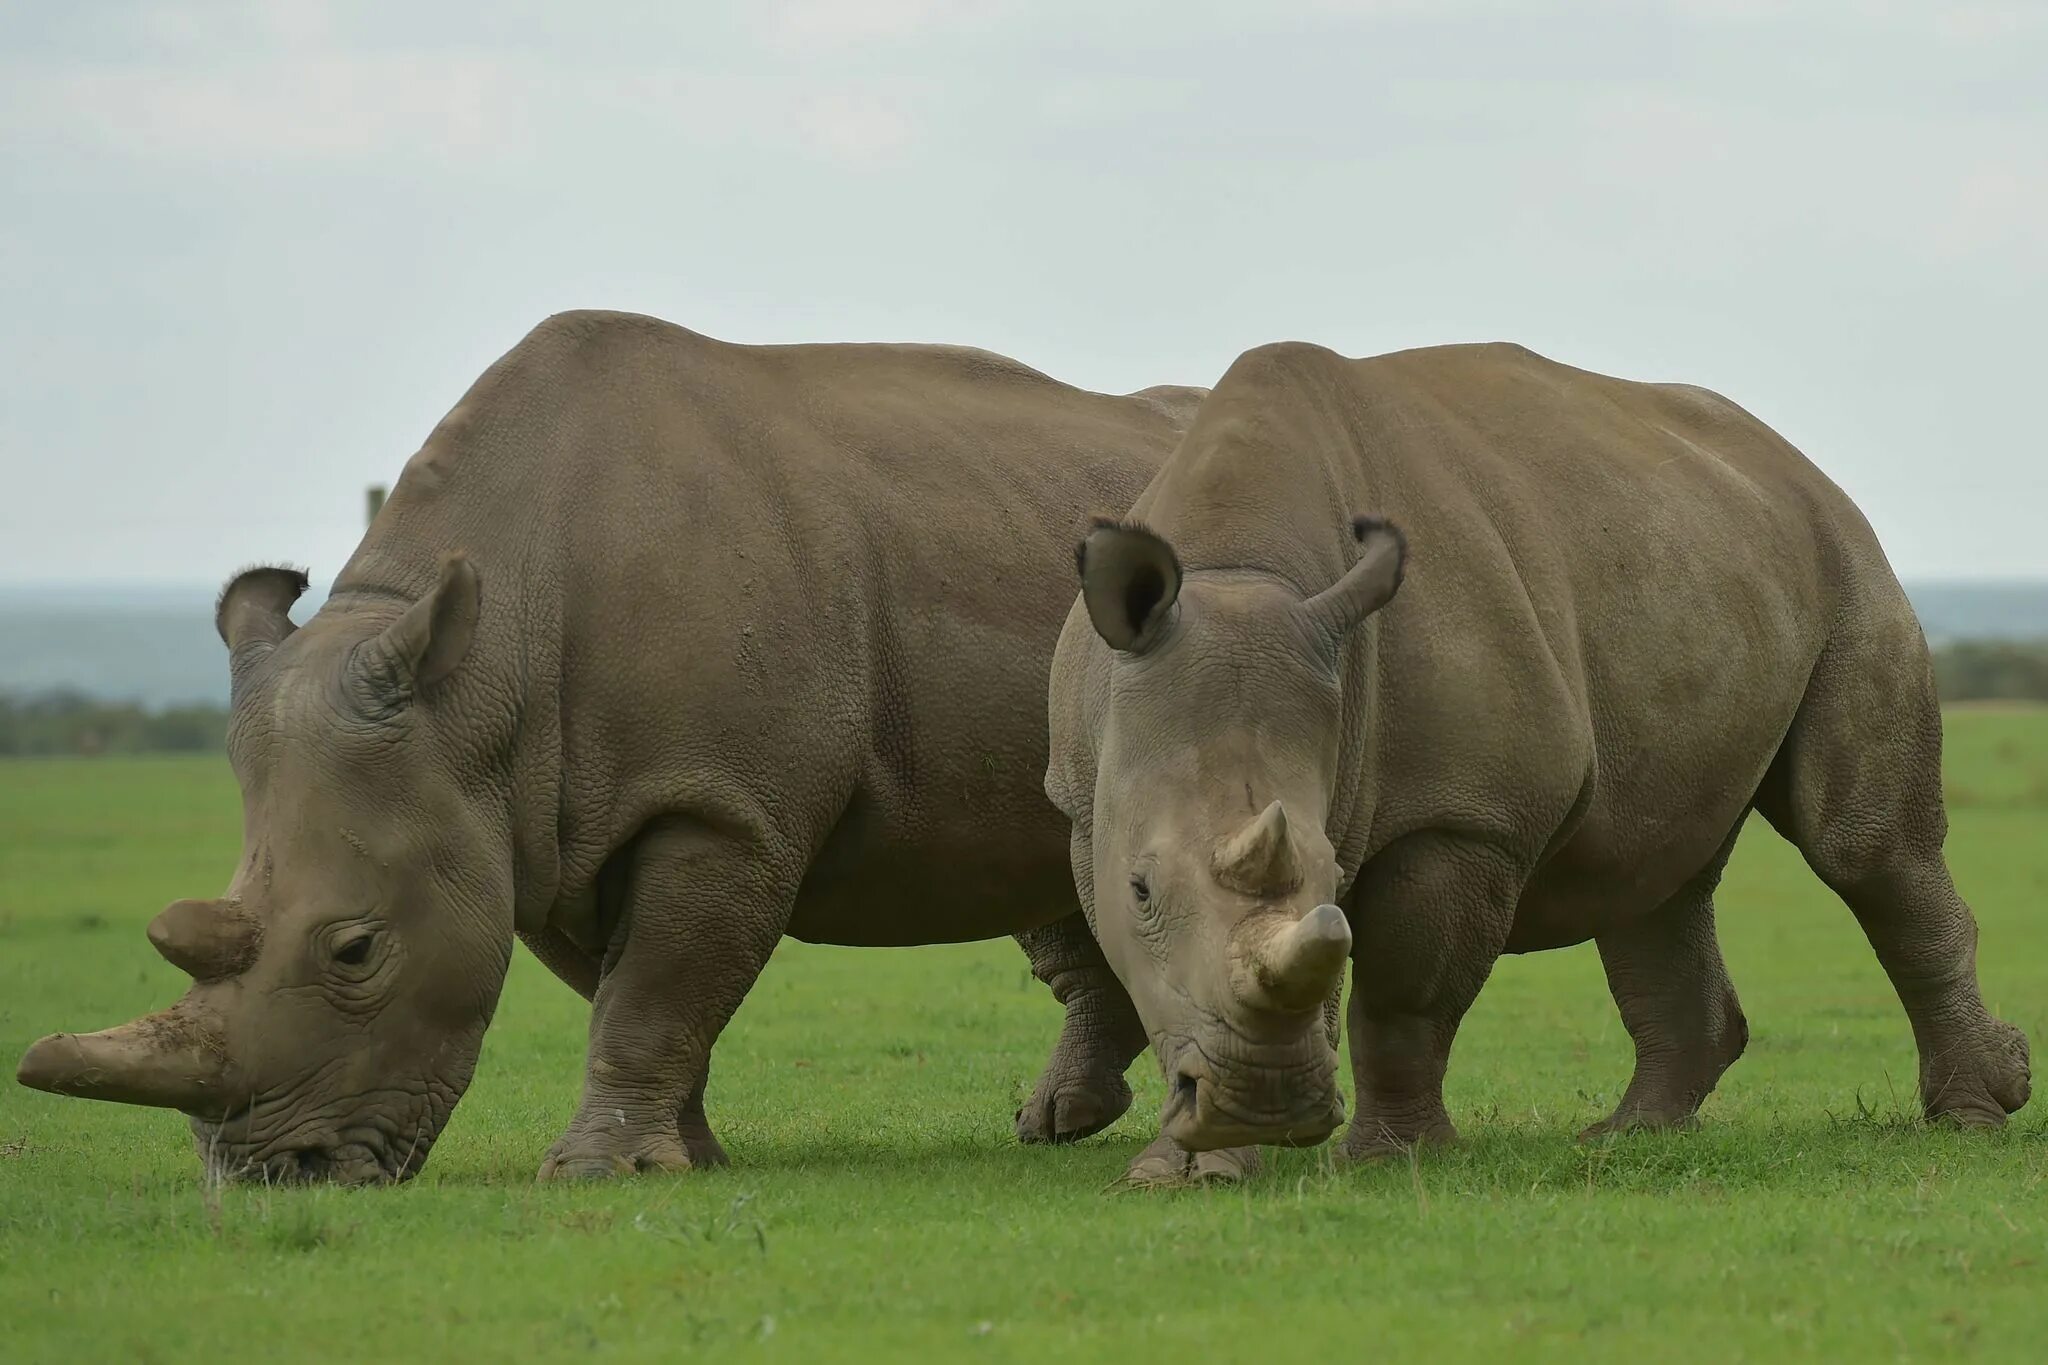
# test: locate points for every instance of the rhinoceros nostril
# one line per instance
(1185, 1090)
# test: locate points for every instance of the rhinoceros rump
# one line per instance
(662, 648)
(1632, 615)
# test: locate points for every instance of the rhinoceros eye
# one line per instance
(1141, 889)
(356, 951)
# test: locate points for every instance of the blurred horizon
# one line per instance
(155, 644)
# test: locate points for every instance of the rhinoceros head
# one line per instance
(1214, 752)
(342, 984)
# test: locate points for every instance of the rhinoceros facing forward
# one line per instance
(662, 648)
(1632, 614)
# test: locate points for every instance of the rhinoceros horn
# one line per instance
(1296, 965)
(1260, 859)
(206, 939)
(168, 1059)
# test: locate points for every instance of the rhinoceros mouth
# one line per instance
(346, 1163)
(357, 1156)
(1279, 1107)
(1201, 1116)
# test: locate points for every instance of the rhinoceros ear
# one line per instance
(1368, 584)
(1130, 579)
(253, 615)
(422, 647)
(254, 608)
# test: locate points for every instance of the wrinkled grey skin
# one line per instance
(1625, 616)
(662, 648)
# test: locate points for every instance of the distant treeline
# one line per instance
(70, 722)
(1992, 670)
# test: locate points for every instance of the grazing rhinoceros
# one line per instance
(1632, 614)
(661, 649)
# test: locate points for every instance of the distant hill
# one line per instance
(1981, 611)
(156, 645)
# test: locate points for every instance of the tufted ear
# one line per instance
(253, 615)
(1368, 584)
(254, 608)
(421, 648)
(1130, 579)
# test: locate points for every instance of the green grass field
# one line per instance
(877, 1206)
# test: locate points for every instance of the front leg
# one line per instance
(579, 970)
(701, 913)
(1082, 1090)
(1430, 915)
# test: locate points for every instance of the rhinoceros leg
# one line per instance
(700, 1144)
(701, 914)
(553, 949)
(1857, 787)
(1082, 1090)
(579, 971)
(1675, 997)
(1435, 911)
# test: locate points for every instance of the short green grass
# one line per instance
(878, 1208)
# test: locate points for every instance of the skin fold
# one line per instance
(1491, 655)
(661, 649)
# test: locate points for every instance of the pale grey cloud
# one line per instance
(317, 106)
(253, 250)
(262, 84)
(829, 24)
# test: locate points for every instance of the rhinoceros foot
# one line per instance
(1070, 1104)
(601, 1154)
(1979, 1088)
(1165, 1165)
(1639, 1121)
(1371, 1140)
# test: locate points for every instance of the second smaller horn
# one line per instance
(1260, 859)
(208, 940)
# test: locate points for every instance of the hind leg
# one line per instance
(1857, 787)
(1973, 1067)
(1082, 1090)
(1672, 988)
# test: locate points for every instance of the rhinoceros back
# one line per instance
(810, 590)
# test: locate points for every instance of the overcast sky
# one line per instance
(250, 253)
